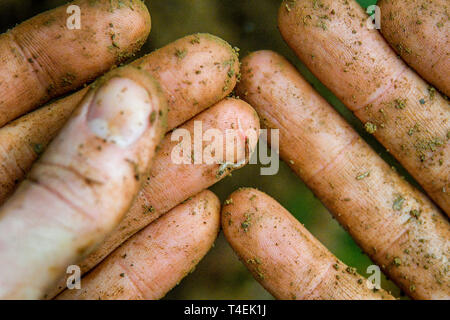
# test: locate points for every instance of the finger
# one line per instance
(171, 183)
(419, 32)
(195, 72)
(41, 58)
(283, 256)
(81, 187)
(396, 225)
(389, 98)
(156, 259)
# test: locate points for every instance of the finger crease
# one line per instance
(332, 161)
(9, 163)
(386, 248)
(66, 201)
(43, 77)
(72, 170)
(323, 277)
(379, 94)
(135, 279)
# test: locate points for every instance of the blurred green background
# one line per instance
(250, 25)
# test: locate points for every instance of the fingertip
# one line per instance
(123, 105)
(232, 58)
(246, 114)
(235, 211)
(145, 21)
(236, 117)
(210, 220)
(285, 8)
(234, 52)
(260, 56)
(68, 56)
(282, 255)
(256, 65)
(103, 153)
(178, 241)
(125, 33)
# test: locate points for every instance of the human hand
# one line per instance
(393, 222)
(85, 182)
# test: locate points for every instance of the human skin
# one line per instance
(395, 224)
(418, 30)
(180, 99)
(62, 210)
(34, 55)
(194, 72)
(189, 76)
(156, 259)
(395, 104)
(283, 256)
(170, 183)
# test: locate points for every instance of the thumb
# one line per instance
(82, 186)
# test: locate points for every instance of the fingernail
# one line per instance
(119, 112)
